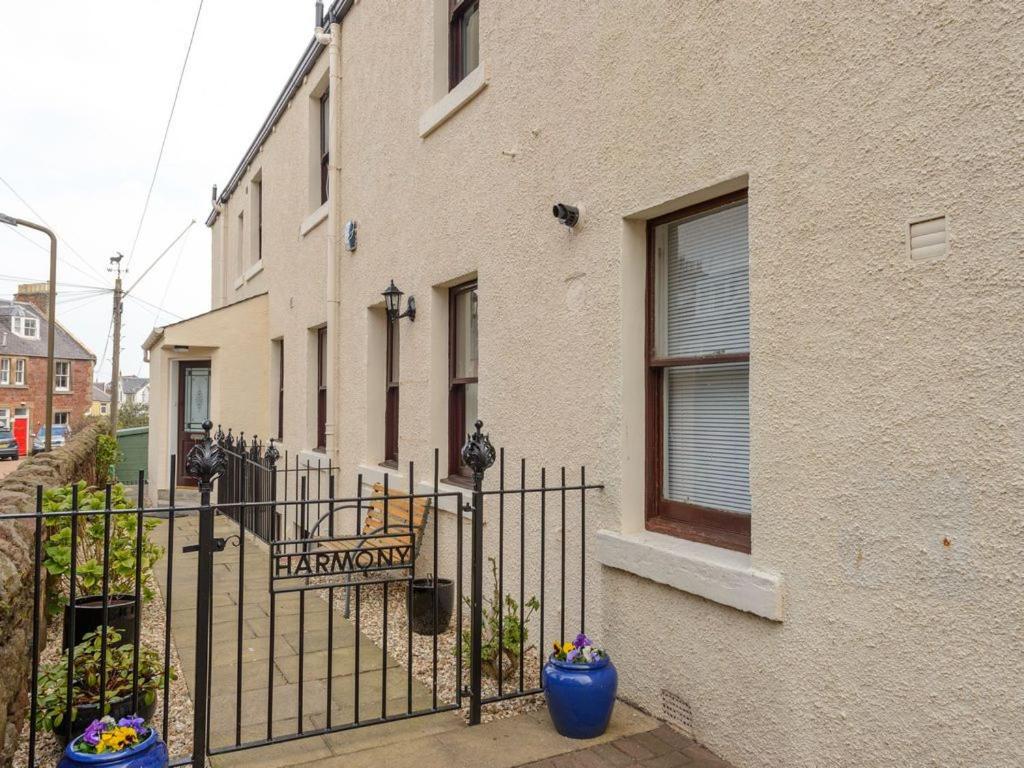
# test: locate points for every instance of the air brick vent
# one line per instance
(677, 712)
(927, 238)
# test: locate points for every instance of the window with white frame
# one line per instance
(62, 375)
(26, 327)
(61, 418)
(19, 372)
(5, 418)
(5, 370)
(698, 420)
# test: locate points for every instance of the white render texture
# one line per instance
(887, 435)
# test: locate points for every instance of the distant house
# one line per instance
(132, 389)
(135, 389)
(100, 401)
(23, 333)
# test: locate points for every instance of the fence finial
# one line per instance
(272, 454)
(206, 461)
(478, 453)
(219, 437)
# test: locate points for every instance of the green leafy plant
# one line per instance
(131, 414)
(90, 534)
(53, 678)
(108, 455)
(508, 644)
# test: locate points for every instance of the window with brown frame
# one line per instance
(391, 355)
(463, 371)
(698, 360)
(325, 144)
(321, 389)
(257, 204)
(279, 344)
(463, 39)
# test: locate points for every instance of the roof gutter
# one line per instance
(338, 10)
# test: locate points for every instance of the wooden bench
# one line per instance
(395, 533)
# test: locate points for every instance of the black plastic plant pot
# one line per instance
(86, 713)
(423, 591)
(89, 617)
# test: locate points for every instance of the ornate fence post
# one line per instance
(271, 457)
(205, 462)
(478, 455)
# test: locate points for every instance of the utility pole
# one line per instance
(115, 373)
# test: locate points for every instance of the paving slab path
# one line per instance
(254, 661)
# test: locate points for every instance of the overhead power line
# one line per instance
(39, 216)
(162, 254)
(163, 142)
(154, 306)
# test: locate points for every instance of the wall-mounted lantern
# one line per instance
(393, 303)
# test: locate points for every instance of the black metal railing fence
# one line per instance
(314, 541)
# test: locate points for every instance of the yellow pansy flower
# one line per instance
(567, 647)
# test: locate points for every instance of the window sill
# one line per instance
(252, 271)
(719, 575)
(239, 282)
(314, 219)
(454, 100)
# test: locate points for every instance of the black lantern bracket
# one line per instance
(393, 304)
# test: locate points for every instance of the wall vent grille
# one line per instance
(677, 712)
(927, 238)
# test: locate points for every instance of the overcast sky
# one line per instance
(85, 93)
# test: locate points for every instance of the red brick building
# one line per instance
(23, 332)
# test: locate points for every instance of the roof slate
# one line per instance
(65, 346)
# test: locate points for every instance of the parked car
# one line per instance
(8, 445)
(60, 434)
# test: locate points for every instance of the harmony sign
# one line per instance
(345, 556)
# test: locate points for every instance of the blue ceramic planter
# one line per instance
(150, 753)
(580, 696)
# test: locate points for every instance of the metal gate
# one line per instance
(303, 597)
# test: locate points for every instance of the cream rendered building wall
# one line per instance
(886, 432)
(885, 393)
(233, 340)
(293, 269)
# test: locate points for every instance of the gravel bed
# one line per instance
(371, 627)
(179, 715)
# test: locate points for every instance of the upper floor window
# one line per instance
(240, 245)
(698, 422)
(257, 212)
(19, 371)
(325, 144)
(463, 372)
(463, 39)
(27, 327)
(5, 370)
(62, 375)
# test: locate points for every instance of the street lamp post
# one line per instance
(51, 320)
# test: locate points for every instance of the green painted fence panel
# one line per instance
(134, 444)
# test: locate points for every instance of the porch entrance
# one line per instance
(193, 410)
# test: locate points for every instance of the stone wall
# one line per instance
(17, 494)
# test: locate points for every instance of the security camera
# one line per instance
(567, 214)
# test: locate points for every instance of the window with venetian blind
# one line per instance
(698, 372)
(463, 378)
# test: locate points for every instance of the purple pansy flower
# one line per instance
(572, 655)
(581, 640)
(131, 722)
(93, 732)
